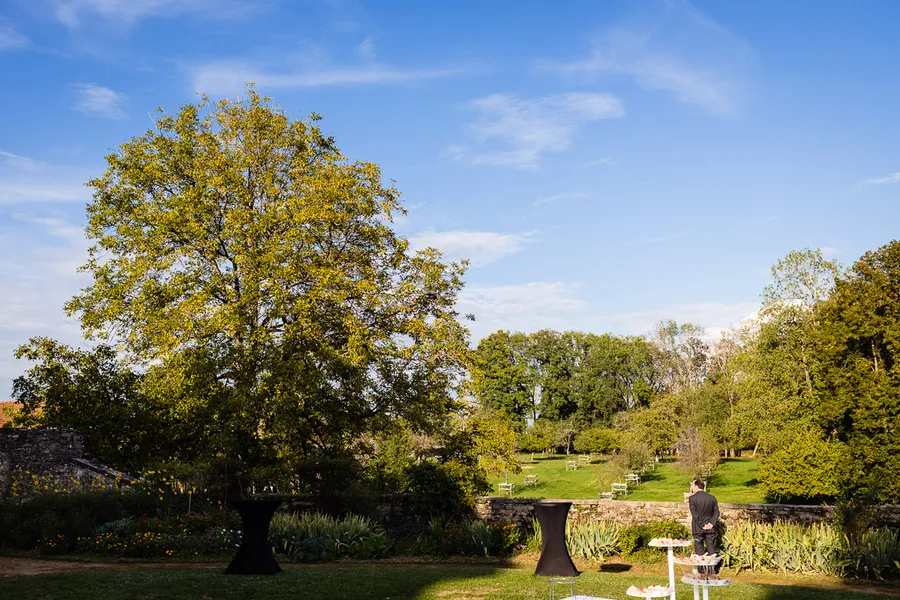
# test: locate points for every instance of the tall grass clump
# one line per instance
(314, 536)
(812, 549)
(593, 540)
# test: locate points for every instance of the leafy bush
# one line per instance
(443, 490)
(636, 537)
(472, 538)
(596, 439)
(807, 468)
(314, 536)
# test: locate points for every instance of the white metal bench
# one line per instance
(571, 465)
(584, 458)
(633, 478)
(506, 487)
(620, 488)
(531, 479)
(606, 496)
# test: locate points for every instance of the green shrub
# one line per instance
(806, 469)
(442, 490)
(636, 537)
(596, 440)
(472, 538)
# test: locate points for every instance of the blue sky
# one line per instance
(603, 164)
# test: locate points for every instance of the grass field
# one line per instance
(383, 582)
(733, 481)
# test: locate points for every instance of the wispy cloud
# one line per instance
(479, 247)
(600, 161)
(670, 237)
(521, 307)
(99, 101)
(714, 317)
(541, 200)
(680, 51)
(20, 162)
(10, 39)
(892, 178)
(518, 132)
(73, 12)
(25, 181)
(762, 221)
(366, 49)
(225, 77)
(48, 251)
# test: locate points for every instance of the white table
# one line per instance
(670, 545)
(698, 580)
(660, 591)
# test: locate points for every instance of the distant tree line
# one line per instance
(811, 385)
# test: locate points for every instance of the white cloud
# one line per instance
(10, 39)
(73, 12)
(829, 251)
(892, 178)
(25, 181)
(520, 307)
(715, 317)
(670, 237)
(518, 132)
(537, 305)
(541, 200)
(20, 162)
(680, 51)
(479, 247)
(36, 284)
(366, 49)
(99, 101)
(226, 77)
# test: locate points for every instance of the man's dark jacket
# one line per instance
(704, 509)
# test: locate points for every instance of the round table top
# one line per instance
(652, 591)
(670, 543)
(704, 581)
(697, 561)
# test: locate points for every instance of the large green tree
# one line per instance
(859, 374)
(251, 268)
(502, 378)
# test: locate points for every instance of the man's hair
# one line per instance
(700, 484)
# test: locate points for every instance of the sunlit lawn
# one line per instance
(733, 481)
(361, 583)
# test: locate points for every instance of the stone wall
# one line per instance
(625, 512)
(54, 454)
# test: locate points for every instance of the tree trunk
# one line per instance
(755, 448)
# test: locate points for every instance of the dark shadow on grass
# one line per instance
(313, 582)
(614, 567)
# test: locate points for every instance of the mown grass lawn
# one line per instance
(733, 481)
(361, 583)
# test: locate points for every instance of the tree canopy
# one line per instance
(249, 270)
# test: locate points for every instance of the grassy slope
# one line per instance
(733, 481)
(336, 583)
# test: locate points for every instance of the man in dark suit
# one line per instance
(704, 521)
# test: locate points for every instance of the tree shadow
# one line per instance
(614, 567)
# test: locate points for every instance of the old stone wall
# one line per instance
(51, 455)
(625, 512)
